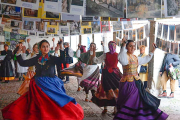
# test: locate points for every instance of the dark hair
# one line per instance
(5, 45)
(129, 41)
(20, 42)
(93, 43)
(35, 45)
(42, 41)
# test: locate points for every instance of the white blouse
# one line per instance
(123, 59)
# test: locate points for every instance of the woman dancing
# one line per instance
(134, 102)
(46, 98)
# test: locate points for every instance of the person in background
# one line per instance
(6, 68)
(52, 51)
(21, 70)
(170, 60)
(67, 53)
(134, 102)
(143, 73)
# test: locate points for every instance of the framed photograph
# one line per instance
(14, 30)
(40, 26)
(31, 33)
(87, 30)
(65, 31)
(16, 24)
(75, 28)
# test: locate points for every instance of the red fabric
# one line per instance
(111, 61)
(36, 105)
(62, 66)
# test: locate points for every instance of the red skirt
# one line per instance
(36, 105)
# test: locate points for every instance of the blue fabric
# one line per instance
(53, 87)
(44, 58)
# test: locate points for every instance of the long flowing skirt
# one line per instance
(45, 100)
(135, 103)
(107, 92)
(6, 71)
(90, 79)
(25, 85)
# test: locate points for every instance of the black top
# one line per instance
(46, 70)
(9, 55)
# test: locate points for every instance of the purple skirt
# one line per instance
(131, 105)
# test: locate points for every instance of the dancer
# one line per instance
(46, 98)
(134, 102)
(90, 79)
(31, 72)
(77, 69)
(107, 92)
(6, 68)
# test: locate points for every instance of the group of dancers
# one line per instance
(46, 99)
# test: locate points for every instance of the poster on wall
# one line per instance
(117, 25)
(31, 33)
(147, 31)
(175, 48)
(31, 13)
(104, 8)
(32, 4)
(28, 25)
(23, 32)
(96, 28)
(159, 31)
(64, 31)
(7, 36)
(178, 33)
(65, 6)
(165, 31)
(11, 2)
(7, 27)
(75, 28)
(1, 31)
(171, 8)
(40, 26)
(86, 28)
(171, 32)
(105, 26)
(143, 9)
(130, 35)
(11, 12)
(14, 30)
(16, 24)
(127, 24)
(158, 42)
(168, 47)
(52, 27)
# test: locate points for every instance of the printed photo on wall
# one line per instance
(171, 8)
(96, 27)
(52, 15)
(127, 24)
(165, 31)
(168, 47)
(31, 33)
(14, 30)
(16, 24)
(40, 26)
(143, 8)
(84, 23)
(30, 13)
(117, 33)
(159, 30)
(141, 33)
(87, 30)
(164, 45)
(105, 8)
(175, 48)
(13, 2)
(117, 25)
(178, 33)
(172, 47)
(147, 30)
(51, 30)
(158, 42)
(171, 32)
(134, 35)
(28, 25)
(11, 12)
(130, 35)
(63, 23)
(65, 31)
(75, 28)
